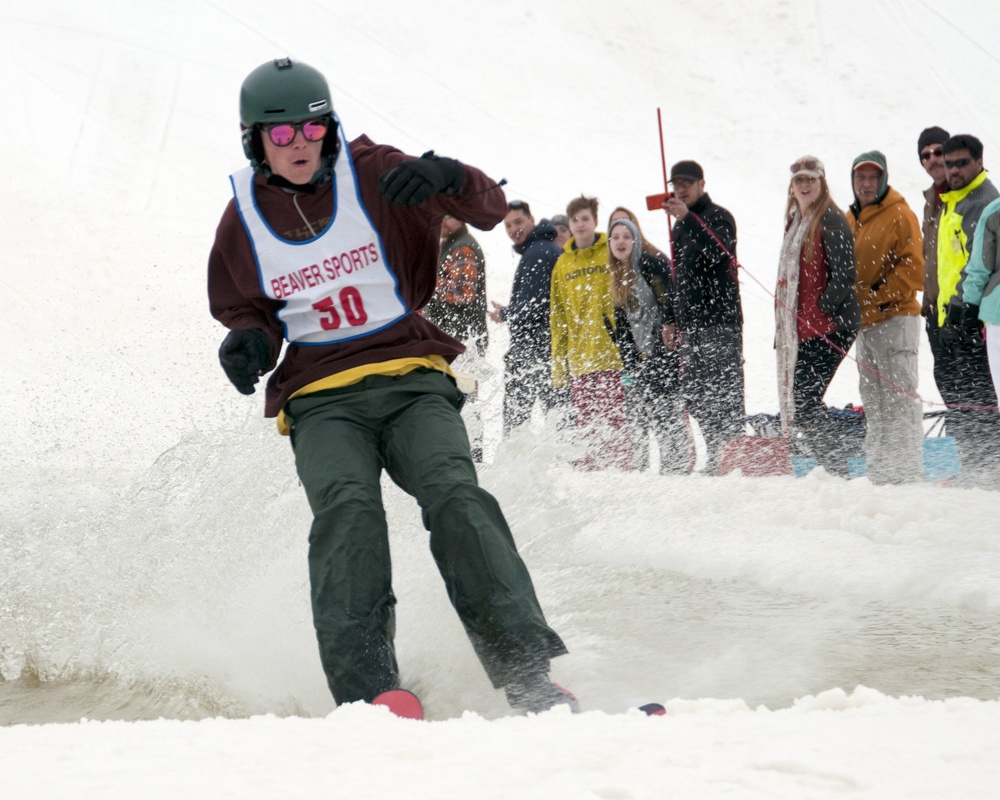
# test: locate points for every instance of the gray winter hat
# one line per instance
(636, 237)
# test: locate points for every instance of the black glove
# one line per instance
(961, 325)
(417, 180)
(244, 354)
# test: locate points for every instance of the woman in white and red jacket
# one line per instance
(817, 315)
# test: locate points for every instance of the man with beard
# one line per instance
(528, 363)
(705, 320)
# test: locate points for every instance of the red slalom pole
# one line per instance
(666, 186)
(663, 152)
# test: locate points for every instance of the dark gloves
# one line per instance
(244, 354)
(961, 325)
(417, 180)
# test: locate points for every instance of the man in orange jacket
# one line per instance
(890, 269)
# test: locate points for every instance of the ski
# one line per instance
(406, 705)
(401, 703)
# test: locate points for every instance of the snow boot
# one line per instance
(536, 693)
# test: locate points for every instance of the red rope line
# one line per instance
(835, 347)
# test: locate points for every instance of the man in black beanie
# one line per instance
(929, 145)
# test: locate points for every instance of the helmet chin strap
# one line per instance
(320, 177)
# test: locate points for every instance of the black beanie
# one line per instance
(934, 135)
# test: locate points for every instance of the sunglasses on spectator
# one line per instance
(927, 155)
(519, 205)
(810, 164)
(282, 134)
(958, 163)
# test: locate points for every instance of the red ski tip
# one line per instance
(653, 710)
(401, 703)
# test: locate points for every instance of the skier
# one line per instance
(333, 246)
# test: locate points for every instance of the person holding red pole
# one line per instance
(704, 323)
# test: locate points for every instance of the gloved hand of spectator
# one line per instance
(961, 325)
(244, 354)
(417, 180)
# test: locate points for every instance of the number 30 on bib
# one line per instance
(347, 305)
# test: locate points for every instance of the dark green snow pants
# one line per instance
(409, 426)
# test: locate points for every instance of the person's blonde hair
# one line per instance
(622, 273)
(819, 207)
(647, 246)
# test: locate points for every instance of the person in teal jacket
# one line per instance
(979, 282)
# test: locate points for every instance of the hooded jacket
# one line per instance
(458, 306)
(580, 303)
(888, 247)
(528, 311)
(982, 274)
(959, 217)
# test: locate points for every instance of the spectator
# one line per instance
(930, 149)
(978, 286)
(963, 376)
(584, 356)
(817, 315)
(889, 265)
(528, 362)
(364, 385)
(639, 417)
(458, 307)
(647, 246)
(640, 288)
(561, 223)
(705, 319)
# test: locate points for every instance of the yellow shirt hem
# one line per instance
(396, 366)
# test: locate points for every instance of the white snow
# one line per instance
(811, 637)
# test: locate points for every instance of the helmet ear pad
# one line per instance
(331, 142)
(253, 147)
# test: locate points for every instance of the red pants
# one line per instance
(599, 401)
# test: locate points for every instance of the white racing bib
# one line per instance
(336, 286)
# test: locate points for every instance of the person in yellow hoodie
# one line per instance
(888, 251)
(964, 381)
(584, 354)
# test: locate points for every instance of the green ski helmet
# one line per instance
(283, 90)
